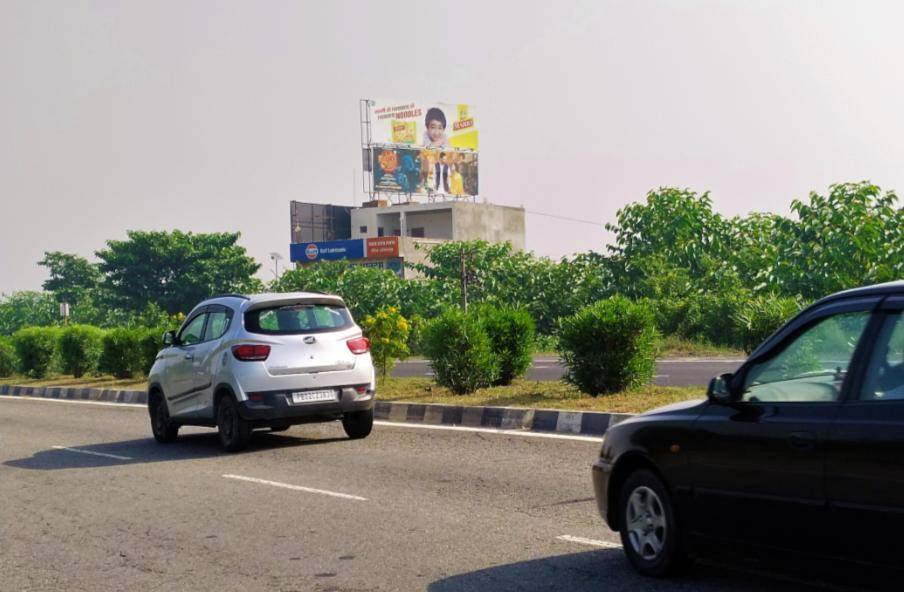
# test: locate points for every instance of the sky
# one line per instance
(212, 116)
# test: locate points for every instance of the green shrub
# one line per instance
(609, 346)
(460, 352)
(120, 353)
(36, 349)
(79, 347)
(512, 333)
(9, 362)
(387, 330)
(760, 317)
(150, 342)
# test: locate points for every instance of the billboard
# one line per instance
(425, 171)
(384, 246)
(425, 124)
(327, 250)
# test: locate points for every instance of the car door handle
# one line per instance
(802, 440)
(189, 357)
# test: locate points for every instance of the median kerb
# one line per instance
(587, 423)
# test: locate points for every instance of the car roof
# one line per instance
(249, 301)
(896, 287)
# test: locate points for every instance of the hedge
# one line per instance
(609, 346)
(79, 348)
(36, 348)
(460, 352)
(512, 333)
(9, 361)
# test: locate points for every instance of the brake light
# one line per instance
(250, 353)
(359, 345)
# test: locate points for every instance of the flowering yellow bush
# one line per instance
(388, 332)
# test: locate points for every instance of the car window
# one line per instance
(297, 318)
(217, 323)
(884, 379)
(812, 367)
(191, 334)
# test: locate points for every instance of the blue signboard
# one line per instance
(328, 250)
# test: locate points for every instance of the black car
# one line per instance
(799, 451)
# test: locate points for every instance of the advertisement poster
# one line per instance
(425, 171)
(424, 124)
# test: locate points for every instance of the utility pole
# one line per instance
(464, 278)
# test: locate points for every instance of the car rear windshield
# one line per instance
(297, 318)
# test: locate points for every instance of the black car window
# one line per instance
(884, 379)
(812, 366)
(193, 332)
(217, 323)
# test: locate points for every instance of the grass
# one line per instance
(521, 393)
(678, 347)
(538, 394)
(101, 382)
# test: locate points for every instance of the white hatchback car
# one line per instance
(263, 361)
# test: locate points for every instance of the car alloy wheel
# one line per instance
(646, 524)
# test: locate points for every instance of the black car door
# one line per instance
(865, 463)
(759, 460)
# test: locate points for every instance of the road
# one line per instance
(677, 372)
(90, 502)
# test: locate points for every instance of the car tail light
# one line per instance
(359, 345)
(361, 389)
(257, 397)
(250, 353)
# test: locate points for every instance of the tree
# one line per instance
(672, 243)
(27, 308)
(175, 270)
(71, 276)
(851, 237)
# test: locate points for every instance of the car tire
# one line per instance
(165, 430)
(649, 528)
(358, 424)
(235, 432)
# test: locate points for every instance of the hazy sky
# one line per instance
(211, 116)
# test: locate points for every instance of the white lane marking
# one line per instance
(102, 403)
(591, 542)
(92, 453)
(297, 487)
(423, 426)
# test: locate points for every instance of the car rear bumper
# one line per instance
(277, 406)
(601, 473)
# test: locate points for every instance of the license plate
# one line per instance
(314, 396)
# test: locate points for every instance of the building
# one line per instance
(389, 236)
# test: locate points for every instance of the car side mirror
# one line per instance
(719, 390)
(169, 338)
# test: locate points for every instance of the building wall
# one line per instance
(495, 224)
(447, 221)
(436, 223)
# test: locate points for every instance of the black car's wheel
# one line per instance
(235, 432)
(358, 424)
(649, 530)
(165, 430)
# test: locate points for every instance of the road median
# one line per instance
(588, 423)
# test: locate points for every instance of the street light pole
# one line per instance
(276, 258)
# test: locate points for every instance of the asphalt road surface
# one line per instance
(677, 372)
(88, 501)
